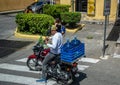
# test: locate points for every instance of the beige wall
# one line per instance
(98, 9)
(66, 2)
(114, 9)
(57, 1)
(7, 5)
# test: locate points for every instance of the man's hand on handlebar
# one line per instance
(46, 40)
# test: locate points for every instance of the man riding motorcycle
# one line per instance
(55, 45)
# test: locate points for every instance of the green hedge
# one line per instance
(34, 23)
(71, 18)
(55, 10)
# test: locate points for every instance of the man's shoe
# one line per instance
(41, 80)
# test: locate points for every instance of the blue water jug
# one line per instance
(75, 41)
(67, 45)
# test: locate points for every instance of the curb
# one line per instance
(25, 36)
(75, 30)
(96, 22)
(12, 11)
(36, 37)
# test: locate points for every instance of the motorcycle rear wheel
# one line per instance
(31, 63)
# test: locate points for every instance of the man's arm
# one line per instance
(54, 43)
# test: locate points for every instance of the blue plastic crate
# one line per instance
(72, 54)
(75, 42)
(72, 48)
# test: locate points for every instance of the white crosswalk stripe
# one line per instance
(82, 67)
(29, 80)
(116, 55)
(22, 80)
(89, 60)
(16, 68)
(22, 60)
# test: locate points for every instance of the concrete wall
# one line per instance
(99, 6)
(7, 5)
(66, 2)
(57, 1)
(99, 10)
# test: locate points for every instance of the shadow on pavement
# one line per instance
(8, 47)
(114, 34)
(79, 79)
(76, 81)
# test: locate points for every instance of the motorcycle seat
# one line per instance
(55, 60)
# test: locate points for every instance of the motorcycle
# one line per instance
(34, 61)
(64, 68)
(63, 72)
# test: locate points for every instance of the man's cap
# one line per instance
(53, 27)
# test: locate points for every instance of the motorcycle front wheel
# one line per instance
(31, 63)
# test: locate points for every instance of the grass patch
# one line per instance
(89, 37)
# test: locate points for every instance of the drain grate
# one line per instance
(8, 47)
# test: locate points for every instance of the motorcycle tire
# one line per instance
(31, 63)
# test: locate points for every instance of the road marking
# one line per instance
(23, 80)
(116, 56)
(22, 60)
(89, 60)
(82, 67)
(16, 68)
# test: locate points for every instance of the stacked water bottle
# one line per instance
(72, 50)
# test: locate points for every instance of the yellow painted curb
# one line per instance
(35, 37)
(20, 35)
(75, 30)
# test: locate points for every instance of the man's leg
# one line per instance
(49, 57)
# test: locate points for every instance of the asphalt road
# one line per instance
(7, 25)
(93, 70)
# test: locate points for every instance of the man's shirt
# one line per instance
(57, 41)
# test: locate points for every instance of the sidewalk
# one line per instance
(12, 11)
(92, 35)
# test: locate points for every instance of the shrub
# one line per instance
(71, 18)
(55, 10)
(34, 23)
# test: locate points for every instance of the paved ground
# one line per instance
(114, 34)
(8, 47)
(94, 71)
(93, 47)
